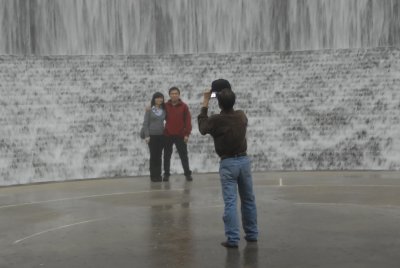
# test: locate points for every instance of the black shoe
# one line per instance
(189, 178)
(166, 178)
(227, 245)
(251, 240)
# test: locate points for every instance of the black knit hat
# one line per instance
(220, 84)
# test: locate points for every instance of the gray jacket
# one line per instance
(153, 124)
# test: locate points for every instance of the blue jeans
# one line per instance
(235, 174)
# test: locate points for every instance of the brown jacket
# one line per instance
(228, 130)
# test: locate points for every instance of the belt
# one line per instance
(233, 156)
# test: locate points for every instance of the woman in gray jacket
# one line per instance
(153, 125)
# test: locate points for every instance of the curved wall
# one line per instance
(71, 117)
(103, 27)
(330, 101)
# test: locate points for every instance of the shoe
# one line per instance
(227, 245)
(165, 178)
(251, 240)
(189, 178)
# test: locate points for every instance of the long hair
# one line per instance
(155, 96)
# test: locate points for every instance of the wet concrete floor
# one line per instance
(306, 219)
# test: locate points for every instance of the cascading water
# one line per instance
(87, 27)
(65, 116)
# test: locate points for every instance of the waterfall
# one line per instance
(318, 80)
(103, 27)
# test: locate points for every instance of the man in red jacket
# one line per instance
(177, 130)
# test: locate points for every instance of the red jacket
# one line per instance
(178, 119)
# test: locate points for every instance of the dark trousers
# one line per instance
(156, 146)
(181, 146)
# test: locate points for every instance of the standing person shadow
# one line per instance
(160, 186)
(232, 258)
(185, 201)
(249, 259)
(250, 255)
(170, 226)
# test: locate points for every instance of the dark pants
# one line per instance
(181, 146)
(156, 145)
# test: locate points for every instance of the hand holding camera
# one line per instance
(206, 97)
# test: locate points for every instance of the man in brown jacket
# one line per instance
(228, 130)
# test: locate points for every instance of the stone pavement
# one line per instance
(306, 219)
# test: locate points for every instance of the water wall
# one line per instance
(318, 80)
(103, 27)
(77, 117)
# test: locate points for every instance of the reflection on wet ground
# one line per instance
(306, 219)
